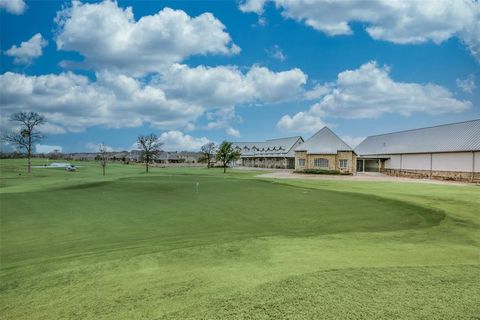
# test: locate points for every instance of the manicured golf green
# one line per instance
(200, 244)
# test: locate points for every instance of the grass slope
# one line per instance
(137, 246)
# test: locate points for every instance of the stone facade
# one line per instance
(333, 161)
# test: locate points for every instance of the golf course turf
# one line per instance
(194, 243)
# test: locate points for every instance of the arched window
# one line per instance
(320, 162)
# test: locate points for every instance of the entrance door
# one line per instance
(359, 165)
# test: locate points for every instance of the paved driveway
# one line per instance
(288, 174)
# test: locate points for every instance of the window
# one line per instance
(321, 163)
(301, 162)
(343, 163)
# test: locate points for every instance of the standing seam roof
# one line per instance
(324, 141)
(269, 148)
(461, 136)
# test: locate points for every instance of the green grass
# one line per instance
(153, 246)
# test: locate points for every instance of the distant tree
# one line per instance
(103, 156)
(226, 154)
(208, 152)
(27, 134)
(55, 155)
(149, 147)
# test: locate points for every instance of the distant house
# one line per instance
(449, 151)
(274, 153)
(190, 157)
(168, 157)
(119, 156)
(172, 157)
(325, 151)
(86, 156)
(135, 155)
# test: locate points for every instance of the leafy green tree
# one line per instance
(227, 154)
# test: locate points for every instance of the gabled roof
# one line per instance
(282, 147)
(324, 141)
(461, 136)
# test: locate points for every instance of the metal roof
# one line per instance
(324, 141)
(282, 147)
(461, 136)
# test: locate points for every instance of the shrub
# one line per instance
(321, 171)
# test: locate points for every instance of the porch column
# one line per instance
(431, 166)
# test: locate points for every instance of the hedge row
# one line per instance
(321, 171)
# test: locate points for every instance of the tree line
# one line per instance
(27, 134)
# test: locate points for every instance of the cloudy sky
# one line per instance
(195, 71)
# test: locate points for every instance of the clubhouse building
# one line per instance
(325, 151)
(274, 153)
(450, 152)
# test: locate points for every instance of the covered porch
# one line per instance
(269, 162)
(367, 164)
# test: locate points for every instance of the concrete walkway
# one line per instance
(288, 174)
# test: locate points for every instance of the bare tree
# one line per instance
(226, 154)
(150, 148)
(103, 150)
(27, 134)
(208, 152)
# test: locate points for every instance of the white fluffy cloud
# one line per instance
(13, 6)
(173, 100)
(232, 132)
(73, 102)
(45, 148)
(178, 141)
(49, 128)
(139, 77)
(116, 41)
(302, 122)
(468, 84)
(28, 50)
(252, 6)
(225, 86)
(402, 22)
(369, 92)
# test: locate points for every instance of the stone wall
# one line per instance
(351, 164)
(300, 155)
(439, 175)
(333, 161)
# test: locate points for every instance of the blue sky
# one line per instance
(198, 71)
